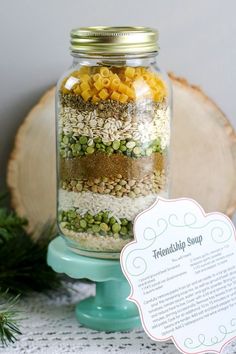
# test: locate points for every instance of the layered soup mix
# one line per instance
(114, 126)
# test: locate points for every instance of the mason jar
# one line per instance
(113, 135)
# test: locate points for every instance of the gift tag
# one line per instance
(182, 271)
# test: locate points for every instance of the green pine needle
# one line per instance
(8, 319)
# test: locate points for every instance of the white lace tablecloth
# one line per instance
(49, 326)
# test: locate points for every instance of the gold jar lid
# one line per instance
(114, 40)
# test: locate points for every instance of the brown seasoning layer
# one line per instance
(99, 165)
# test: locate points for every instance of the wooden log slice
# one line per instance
(203, 158)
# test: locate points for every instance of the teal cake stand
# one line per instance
(108, 310)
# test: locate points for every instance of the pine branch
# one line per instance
(23, 265)
(8, 319)
(23, 268)
(10, 223)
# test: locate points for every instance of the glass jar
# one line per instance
(113, 133)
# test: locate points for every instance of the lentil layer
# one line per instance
(117, 185)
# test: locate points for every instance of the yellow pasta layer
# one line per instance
(121, 84)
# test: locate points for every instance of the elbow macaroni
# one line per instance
(106, 82)
(105, 72)
(115, 83)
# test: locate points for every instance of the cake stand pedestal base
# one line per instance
(108, 310)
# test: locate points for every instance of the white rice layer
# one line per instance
(94, 203)
(87, 242)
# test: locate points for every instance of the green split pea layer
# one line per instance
(102, 224)
(73, 146)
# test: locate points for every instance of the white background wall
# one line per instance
(197, 39)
